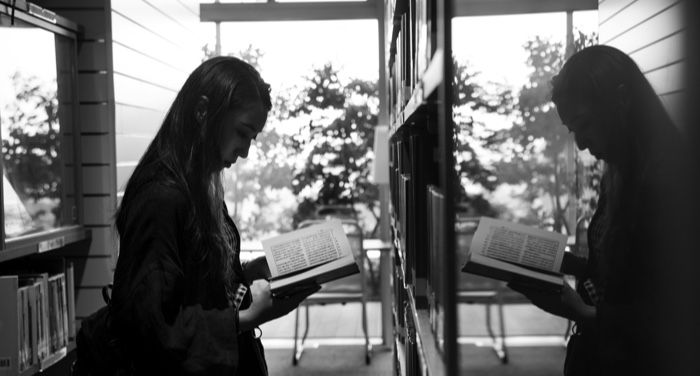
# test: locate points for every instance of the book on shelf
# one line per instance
(517, 253)
(319, 253)
(33, 325)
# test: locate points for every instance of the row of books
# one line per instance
(405, 331)
(411, 47)
(411, 170)
(38, 324)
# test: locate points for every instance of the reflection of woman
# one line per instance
(182, 303)
(605, 100)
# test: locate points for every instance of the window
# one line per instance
(35, 104)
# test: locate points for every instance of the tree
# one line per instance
(336, 144)
(256, 188)
(537, 145)
(31, 146)
(470, 98)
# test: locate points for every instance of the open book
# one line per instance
(318, 253)
(516, 253)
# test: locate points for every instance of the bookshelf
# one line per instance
(421, 167)
(41, 217)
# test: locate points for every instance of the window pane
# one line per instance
(316, 147)
(32, 108)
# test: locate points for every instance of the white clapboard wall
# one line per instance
(155, 45)
(652, 33)
(132, 58)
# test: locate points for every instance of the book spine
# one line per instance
(70, 295)
(64, 310)
(10, 313)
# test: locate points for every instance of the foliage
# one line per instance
(336, 143)
(537, 150)
(31, 146)
(256, 188)
(470, 98)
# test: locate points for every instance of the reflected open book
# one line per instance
(516, 253)
(318, 253)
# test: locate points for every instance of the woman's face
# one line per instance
(593, 127)
(240, 127)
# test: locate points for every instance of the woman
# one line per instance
(604, 99)
(182, 303)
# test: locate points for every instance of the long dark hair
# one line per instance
(596, 75)
(185, 154)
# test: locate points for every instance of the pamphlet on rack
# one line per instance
(517, 253)
(318, 253)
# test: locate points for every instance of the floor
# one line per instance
(334, 347)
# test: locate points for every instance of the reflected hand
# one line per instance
(567, 303)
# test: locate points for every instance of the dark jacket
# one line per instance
(164, 317)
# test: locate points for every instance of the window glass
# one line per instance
(32, 110)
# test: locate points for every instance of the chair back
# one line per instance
(336, 211)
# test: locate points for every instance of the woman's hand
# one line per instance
(256, 268)
(265, 307)
(567, 303)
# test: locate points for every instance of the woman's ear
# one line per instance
(200, 110)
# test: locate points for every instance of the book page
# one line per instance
(300, 249)
(519, 244)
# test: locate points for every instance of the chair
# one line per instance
(349, 289)
(336, 211)
(474, 289)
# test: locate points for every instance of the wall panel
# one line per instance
(156, 44)
(651, 32)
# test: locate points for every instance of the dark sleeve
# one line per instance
(158, 331)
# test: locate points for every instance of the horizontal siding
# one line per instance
(131, 147)
(135, 92)
(156, 44)
(158, 22)
(611, 8)
(129, 33)
(652, 33)
(638, 12)
(662, 53)
(123, 173)
(138, 120)
(145, 67)
(655, 29)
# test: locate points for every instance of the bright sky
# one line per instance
(494, 44)
(39, 60)
(292, 48)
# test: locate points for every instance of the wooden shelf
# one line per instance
(43, 242)
(400, 350)
(434, 74)
(50, 361)
(53, 358)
